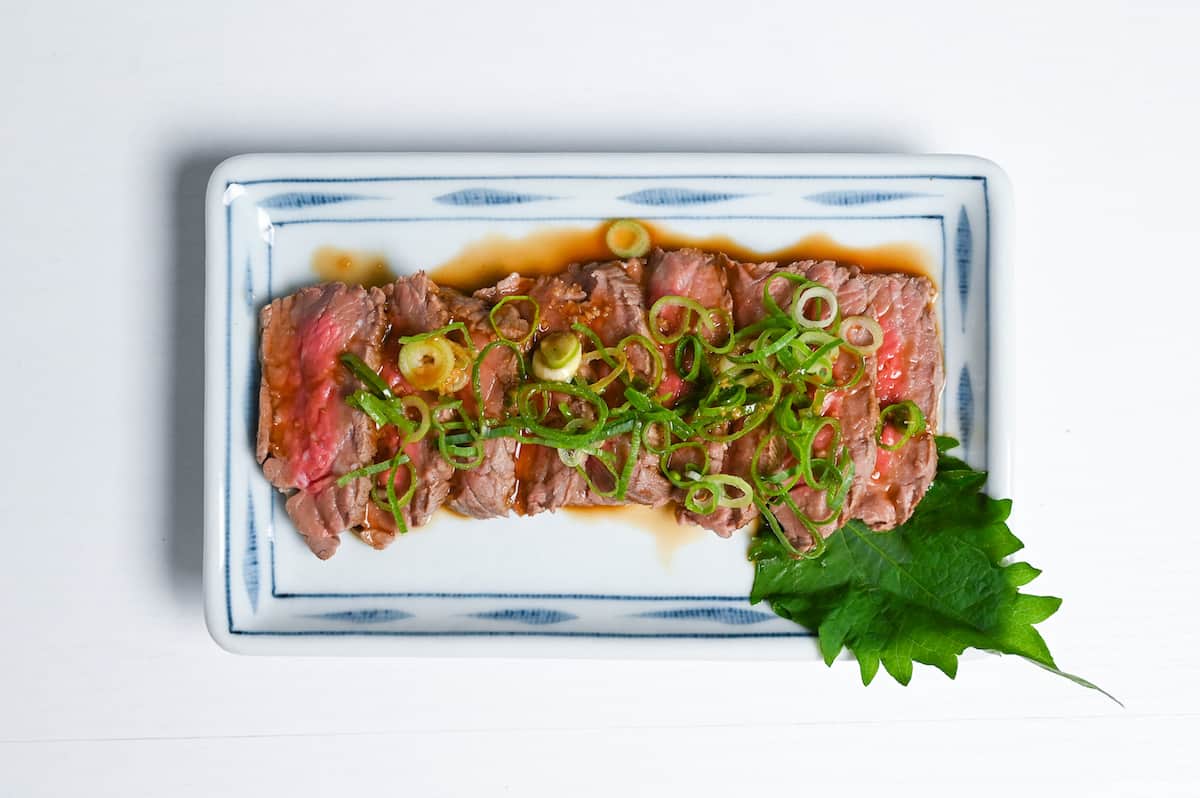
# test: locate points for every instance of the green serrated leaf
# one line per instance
(923, 592)
(1019, 574)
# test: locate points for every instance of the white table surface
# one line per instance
(111, 117)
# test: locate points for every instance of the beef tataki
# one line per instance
(307, 435)
(715, 386)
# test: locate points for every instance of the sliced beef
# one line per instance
(488, 490)
(559, 298)
(689, 273)
(909, 367)
(605, 298)
(307, 435)
(886, 485)
(414, 306)
(702, 277)
(744, 285)
(856, 409)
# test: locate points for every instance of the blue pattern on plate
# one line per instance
(532, 617)
(364, 616)
(966, 407)
(728, 615)
(843, 198)
(677, 196)
(295, 200)
(488, 196)
(962, 259)
(250, 564)
(250, 282)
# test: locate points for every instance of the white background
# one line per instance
(112, 116)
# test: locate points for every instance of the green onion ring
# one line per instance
(914, 423)
(636, 248)
(867, 324)
(815, 293)
(533, 324)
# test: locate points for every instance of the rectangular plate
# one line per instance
(570, 583)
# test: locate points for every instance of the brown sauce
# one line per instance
(669, 535)
(350, 266)
(523, 470)
(483, 262)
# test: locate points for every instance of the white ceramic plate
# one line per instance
(565, 584)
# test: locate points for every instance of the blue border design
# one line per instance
(966, 408)
(962, 255)
(537, 616)
(547, 633)
(296, 200)
(250, 566)
(846, 197)
(473, 178)
(677, 196)
(489, 196)
(362, 616)
(734, 616)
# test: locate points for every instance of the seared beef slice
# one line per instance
(307, 435)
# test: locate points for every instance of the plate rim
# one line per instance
(307, 167)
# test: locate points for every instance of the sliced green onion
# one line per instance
(701, 498)
(365, 471)
(468, 342)
(827, 306)
(627, 239)
(770, 305)
(458, 441)
(460, 372)
(365, 373)
(597, 344)
(718, 319)
(428, 363)
(638, 400)
(623, 478)
(656, 358)
(533, 324)
(853, 325)
(818, 546)
(544, 371)
(693, 317)
(914, 423)
(381, 411)
(673, 475)
(424, 421)
(559, 349)
(690, 349)
(477, 385)
(397, 504)
(745, 493)
(573, 457)
(860, 371)
(773, 524)
(615, 371)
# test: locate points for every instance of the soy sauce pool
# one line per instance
(548, 251)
